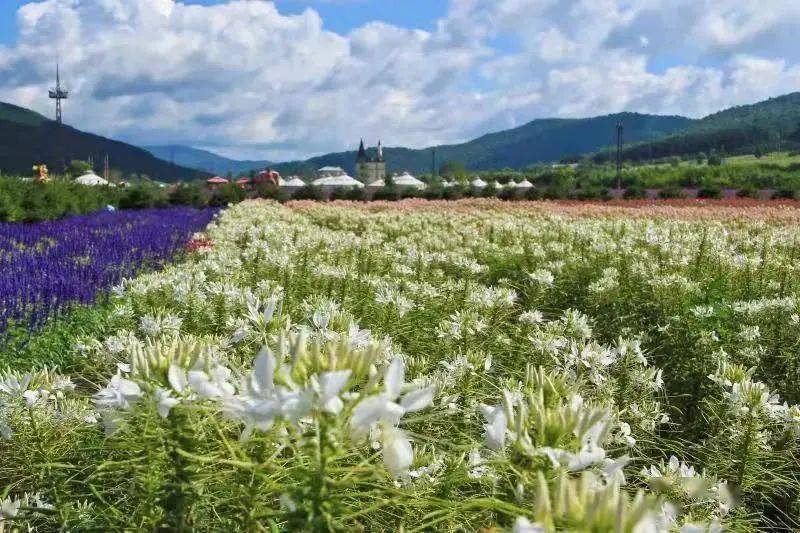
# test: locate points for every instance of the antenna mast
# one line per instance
(58, 94)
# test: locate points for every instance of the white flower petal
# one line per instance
(397, 452)
(418, 399)
(394, 378)
(262, 379)
(177, 378)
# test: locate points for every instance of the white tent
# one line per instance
(338, 181)
(446, 184)
(294, 183)
(91, 179)
(524, 184)
(407, 180)
(478, 183)
(377, 184)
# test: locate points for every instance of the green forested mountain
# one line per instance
(205, 160)
(773, 124)
(27, 138)
(537, 141)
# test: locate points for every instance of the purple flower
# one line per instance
(48, 267)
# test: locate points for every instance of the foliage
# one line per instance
(230, 193)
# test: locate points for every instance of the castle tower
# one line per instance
(362, 153)
(370, 169)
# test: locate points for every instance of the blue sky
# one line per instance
(288, 79)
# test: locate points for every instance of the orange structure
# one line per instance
(40, 173)
(268, 176)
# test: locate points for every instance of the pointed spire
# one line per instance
(362, 152)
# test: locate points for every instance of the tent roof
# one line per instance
(407, 180)
(217, 179)
(524, 184)
(295, 182)
(90, 178)
(338, 181)
(478, 183)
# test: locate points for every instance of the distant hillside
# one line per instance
(535, 142)
(204, 160)
(28, 138)
(771, 125)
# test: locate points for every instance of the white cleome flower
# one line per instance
(120, 393)
(495, 428)
(383, 406)
(381, 413)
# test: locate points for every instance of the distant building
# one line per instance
(370, 169)
(330, 172)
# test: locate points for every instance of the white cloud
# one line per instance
(247, 79)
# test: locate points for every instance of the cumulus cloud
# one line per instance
(246, 79)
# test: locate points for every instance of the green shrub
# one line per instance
(141, 197)
(310, 192)
(347, 193)
(555, 193)
(635, 192)
(456, 192)
(710, 191)
(229, 193)
(508, 193)
(434, 191)
(747, 192)
(672, 191)
(389, 193)
(786, 193)
(591, 193)
(188, 194)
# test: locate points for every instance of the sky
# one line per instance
(288, 79)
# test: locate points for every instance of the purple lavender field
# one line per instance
(46, 267)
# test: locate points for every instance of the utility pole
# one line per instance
(620, 130)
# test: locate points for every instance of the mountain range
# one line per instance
(204, 160)
(537, 141)
(28, 138)
(773, 124)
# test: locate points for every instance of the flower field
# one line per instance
(47, 267)
(467, 366)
